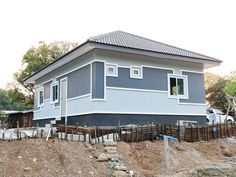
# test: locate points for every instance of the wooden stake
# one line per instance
(179, 131)
(132, 133)
(198, 134)
(137, 133)
(142, 133)
(152, 130)
(102, 136)
(95, 134)
(207, 133)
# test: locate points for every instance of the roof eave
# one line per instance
(208, 63)
(71, 55)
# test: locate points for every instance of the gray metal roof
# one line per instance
(127, 40)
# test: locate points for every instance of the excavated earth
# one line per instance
(58, 158)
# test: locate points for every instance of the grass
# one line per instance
(217, 172)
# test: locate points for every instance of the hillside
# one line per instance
(36, 157)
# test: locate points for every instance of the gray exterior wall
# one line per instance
(47, 87)
(153, 79)
(98, 80)
(79, 82)
(150, 98)
(196, 90)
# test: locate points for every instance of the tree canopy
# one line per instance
(217, 87)
(230, 87)
(34, 60)
(38, 57)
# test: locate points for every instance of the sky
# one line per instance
(204, 26)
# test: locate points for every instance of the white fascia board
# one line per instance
(206, 63)
(68, 58)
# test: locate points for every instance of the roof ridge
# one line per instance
(103, 35)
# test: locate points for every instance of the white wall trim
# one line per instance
(45, 82)
(138, 90)
(36, 111)
(36, 86)
(42, 118)
(79, 97)
(194, 104)
(142, 113)
(98, 99)
(158, 67)
(84, 48)
(191, 71)
(121, 66)
(77, 68)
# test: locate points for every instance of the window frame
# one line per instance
(132, 69)
(51, 94)
(41, 89)
(185, 87)
(115, 67)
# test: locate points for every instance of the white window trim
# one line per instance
(51, 92)
(185, 79)
(115, 67)
(132, 68)
(41, 89)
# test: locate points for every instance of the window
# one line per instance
(177, 86)
(40, 97)
(136, 72)
(54, 92)
(111, 70)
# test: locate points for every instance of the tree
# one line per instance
(4, 100)
(38, 57)
(230, 87)
(34, 60)
(215, 95)
(210, 79)
(1, 117)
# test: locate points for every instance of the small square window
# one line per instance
(136, 72)
(111, 70)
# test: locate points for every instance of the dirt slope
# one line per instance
(147, 157)
(36, 157)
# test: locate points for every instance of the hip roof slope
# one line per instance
(124, 39)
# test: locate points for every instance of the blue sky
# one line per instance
(203, 26)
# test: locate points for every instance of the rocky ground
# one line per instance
(36, 157)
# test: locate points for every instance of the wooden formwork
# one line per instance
(136, 133)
